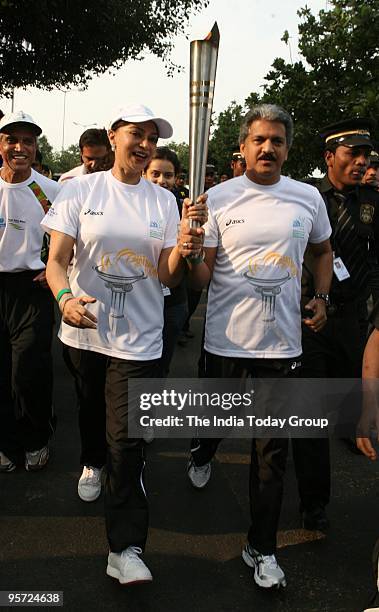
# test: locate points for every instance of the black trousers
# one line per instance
(102, 387)
(268, 455)
(334, 352)
(26, 374)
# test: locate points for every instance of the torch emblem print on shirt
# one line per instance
(267, 275)
(120, 271)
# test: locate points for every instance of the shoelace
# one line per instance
(270, 561)
(90, 474)
(132, 551)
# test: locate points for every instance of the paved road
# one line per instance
(49, 539)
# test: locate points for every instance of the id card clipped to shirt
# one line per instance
(339, 268)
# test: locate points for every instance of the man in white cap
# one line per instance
(26, 307)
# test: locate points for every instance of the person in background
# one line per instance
(371, 176)
(237, 164)
(180, 190)
(26, 306)
(37, 164)
(336, 351)
(162, 170)
(223, 178)
(94, 148)
(369, 424)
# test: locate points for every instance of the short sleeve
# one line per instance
(63, 215)
(374, 317)
(321, 229)
(171, 224)
(211, 228)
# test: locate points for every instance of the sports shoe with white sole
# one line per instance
(127, 567)
(36, 460)
(267, 572)
(89, 485)
(199, 475)
(6, 465)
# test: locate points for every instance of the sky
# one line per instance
(250, 33)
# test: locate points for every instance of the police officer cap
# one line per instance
(210, 169)
(349, 133)
(374, 159)
(237, 156)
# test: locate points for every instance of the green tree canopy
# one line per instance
(182, 151)
(335, 78)
(64, 43)
(225, 137)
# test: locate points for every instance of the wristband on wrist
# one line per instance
(198, 259)
(62, 292)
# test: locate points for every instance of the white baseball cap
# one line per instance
(19, 117)
(139, 114)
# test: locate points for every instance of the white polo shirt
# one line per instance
(261, 232)
(21, 234)
(120, 231)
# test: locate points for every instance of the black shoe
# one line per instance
(315, 520)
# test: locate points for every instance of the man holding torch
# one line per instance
(258, 227)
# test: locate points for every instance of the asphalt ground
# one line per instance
(51, 540)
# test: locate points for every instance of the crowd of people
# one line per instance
(126, 267)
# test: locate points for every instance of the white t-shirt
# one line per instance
(261, 232)
(120, 231)
(77, 171)
(21, 234)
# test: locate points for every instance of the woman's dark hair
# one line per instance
(170, 155)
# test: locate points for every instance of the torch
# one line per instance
(203, 64)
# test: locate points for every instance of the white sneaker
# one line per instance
(199, 476)
(89, 485)
(36, 460)
(127, 567)
(6, 465)
(267, 572)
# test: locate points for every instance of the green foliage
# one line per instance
(225, 137)
(336, 78)
(58, 161)
(63, 43)
(182, 151)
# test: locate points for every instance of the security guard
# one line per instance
(237, 164)
(371, 176)
(336, 351)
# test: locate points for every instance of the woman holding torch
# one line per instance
(123, 230)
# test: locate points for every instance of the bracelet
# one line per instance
(198, 259)
(61, 293)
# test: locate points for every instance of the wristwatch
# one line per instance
(322, 296)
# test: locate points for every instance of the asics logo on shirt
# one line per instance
(234, 221)
(94, 212)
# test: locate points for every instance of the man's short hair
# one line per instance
(94, 137)
(267, 112)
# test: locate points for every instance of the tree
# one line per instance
(182, 151)
(225, 137)
(63, 43)
(47, 152)
(335, 78)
